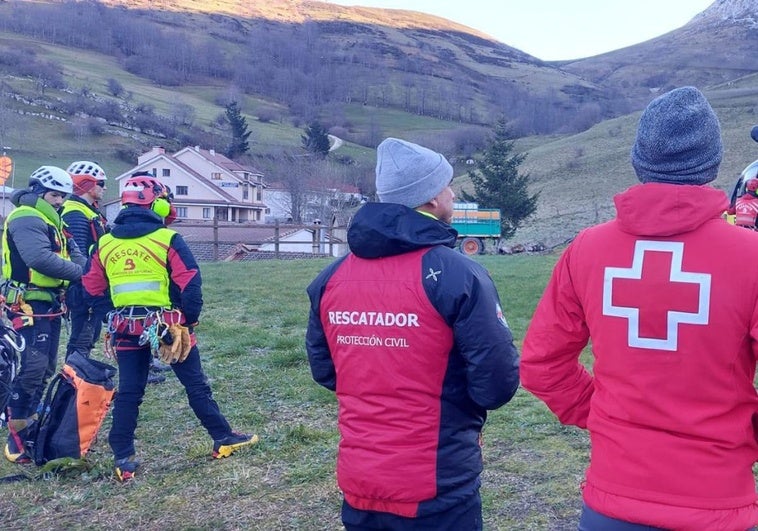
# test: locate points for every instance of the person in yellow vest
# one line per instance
(39, 260)
(145, 277)
(86, 224)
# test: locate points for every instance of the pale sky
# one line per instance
(558, 29)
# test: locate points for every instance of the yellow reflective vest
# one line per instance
(91, 215)
(28, 275)
(76, 206)
(137, 268)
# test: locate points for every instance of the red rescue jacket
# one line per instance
(672, 313)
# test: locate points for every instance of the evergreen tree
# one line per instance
(316, 140)
(240, 133)
(498, 184)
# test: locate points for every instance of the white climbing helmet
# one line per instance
(52, 178)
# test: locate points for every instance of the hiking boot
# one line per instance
(155, 377)
(231, 443)
(158, 366)
(15, 448)
(126, 468)
(13, 454)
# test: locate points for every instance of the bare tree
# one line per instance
(114, 87)
(8, 122)
(314, 188)
(333, 188)
(79, 129)
(290, 172)
(182, 113)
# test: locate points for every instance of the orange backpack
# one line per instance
(75, 405)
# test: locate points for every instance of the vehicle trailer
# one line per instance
(478, 228)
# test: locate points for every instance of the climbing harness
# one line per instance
(15, 298)
(150, 325)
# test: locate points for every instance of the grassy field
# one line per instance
(251, 341)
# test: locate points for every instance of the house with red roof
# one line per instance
(206, 185)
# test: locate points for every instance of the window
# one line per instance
(216, 176)
(181, 190)
(258, 193)
(245, 193)
(165, 172)
(206, 213)
(181, 212)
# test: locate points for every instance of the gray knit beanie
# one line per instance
(678, 140)
(409, 174)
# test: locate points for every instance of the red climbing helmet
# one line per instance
(143, 188)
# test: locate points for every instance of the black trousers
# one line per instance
(85, 330)
(466, 516)
(594, 521)
(133, 367)
(38, 361)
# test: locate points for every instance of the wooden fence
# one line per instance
(221, 240)
(216, 241)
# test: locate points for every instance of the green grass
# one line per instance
(251, 341)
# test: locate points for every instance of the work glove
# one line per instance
(186, 341)
(23, 317)
(175, 344)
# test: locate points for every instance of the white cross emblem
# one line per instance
(433, 274)
(674, 318)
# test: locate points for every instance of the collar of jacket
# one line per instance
(660, 209)
(48, 211)
(136, 221)
(388, 229)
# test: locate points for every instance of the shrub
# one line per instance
(96, 126)
(114, 87)
(267, 114)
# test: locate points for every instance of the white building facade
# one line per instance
(206, 185)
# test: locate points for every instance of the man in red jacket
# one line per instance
(410, 335)
(672, 313)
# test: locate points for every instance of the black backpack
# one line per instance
(75, 405)
(11, 343)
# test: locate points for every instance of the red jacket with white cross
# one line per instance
(671, 311)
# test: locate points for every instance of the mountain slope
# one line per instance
(313, 54)
(301, 11)
(365, 73)
(717, 46)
